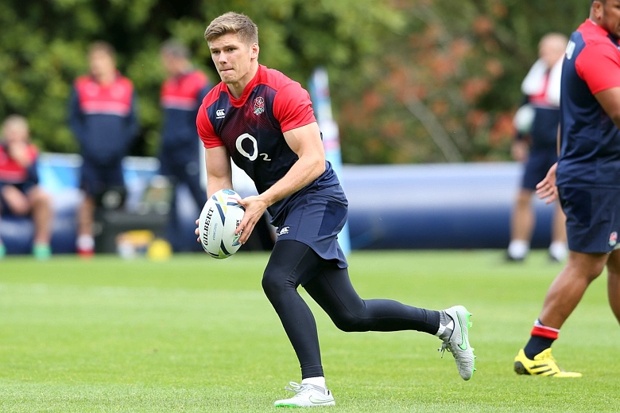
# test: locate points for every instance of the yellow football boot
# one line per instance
(543, 365)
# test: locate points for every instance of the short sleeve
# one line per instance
(599, 66)
(292, 107)
(205, 130)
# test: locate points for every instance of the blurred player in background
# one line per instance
(587, 175)
(103, 118)
(20, 193)
(536, 144)
(179, 155)
(264, 121)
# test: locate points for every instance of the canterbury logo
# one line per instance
(220, 113)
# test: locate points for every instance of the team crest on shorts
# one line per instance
(613, 239)
(259, 105)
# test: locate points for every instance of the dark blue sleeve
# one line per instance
(203, 92)
(199, 97)
(33, 174)
(76, 117)
(133, 125)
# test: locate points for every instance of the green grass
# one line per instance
(194, 334)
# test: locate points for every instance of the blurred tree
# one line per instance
(446, 87)
(44, 45)
(413, 81)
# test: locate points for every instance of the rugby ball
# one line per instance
(219, 218)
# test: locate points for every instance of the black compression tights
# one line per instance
(293, 263)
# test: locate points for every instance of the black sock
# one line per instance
(541, 338)
(536, 345)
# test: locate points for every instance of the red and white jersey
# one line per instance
(98, 99)
(252, 128)
(11, 171)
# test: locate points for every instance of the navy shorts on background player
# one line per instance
(537, 165)
(94, 180)
(24, 188)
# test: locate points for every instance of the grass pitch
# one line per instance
(194, 334)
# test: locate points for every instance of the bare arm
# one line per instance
(519, 150)
(219, 172)
(546, 188)
(18, 150)
(306, 143)
(610, 102)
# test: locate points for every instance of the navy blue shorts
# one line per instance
(315, 219)
(24, 187)
(592, 218)
(537, 165)
(95, 180)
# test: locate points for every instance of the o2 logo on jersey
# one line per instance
(246, 140)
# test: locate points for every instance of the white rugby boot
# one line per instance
(306, 395)
(457, 341)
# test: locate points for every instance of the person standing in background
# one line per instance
(535, 144)
(586, 179)
(103, 118)
(179, 153)
(20, 192)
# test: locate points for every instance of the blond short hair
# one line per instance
(14, 121)
(104, 47)
(232, 22)
(558, 40)
(176, 49)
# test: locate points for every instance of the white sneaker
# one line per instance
(458, 342)
(306, 395)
